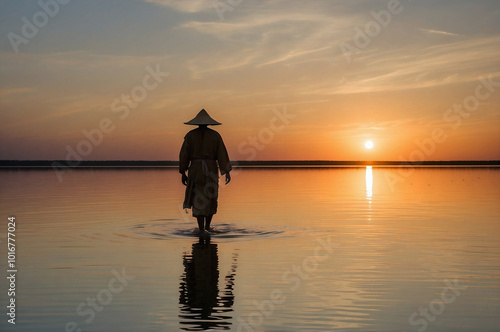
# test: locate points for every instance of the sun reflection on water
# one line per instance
(369, 190)
(369, 182)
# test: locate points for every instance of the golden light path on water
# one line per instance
(369, 189)
(369, 182)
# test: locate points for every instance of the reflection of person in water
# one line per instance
(202, 307)
(202, 153)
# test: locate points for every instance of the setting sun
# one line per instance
(369, 145)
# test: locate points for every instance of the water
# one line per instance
(342, 249)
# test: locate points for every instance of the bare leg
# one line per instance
(208, 221)
(200, 220)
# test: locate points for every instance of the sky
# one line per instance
(288, 79)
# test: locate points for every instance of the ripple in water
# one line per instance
(174, 228)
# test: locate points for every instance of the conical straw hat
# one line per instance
(203, 119)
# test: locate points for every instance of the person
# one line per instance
(202, 154)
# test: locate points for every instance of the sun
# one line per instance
(369, 145)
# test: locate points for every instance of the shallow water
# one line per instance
(326, 249)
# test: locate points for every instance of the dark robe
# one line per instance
(202, 154)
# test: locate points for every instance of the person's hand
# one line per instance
(228, 177)
(184, 179)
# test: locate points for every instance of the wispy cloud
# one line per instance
(189, 6)
(15, 92)
(414, 68)
(438, 32)
(261, 39)
(294, 54)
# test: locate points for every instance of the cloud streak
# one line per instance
(188, 6)
(438, 32)
(395, 70)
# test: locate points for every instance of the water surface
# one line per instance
(326, 249)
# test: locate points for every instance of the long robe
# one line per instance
(202, 154)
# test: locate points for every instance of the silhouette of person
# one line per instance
(202, 154)
(202, 307)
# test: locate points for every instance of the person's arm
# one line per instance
(184, 161)
(223, 160)
(184, 179)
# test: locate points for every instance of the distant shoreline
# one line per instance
(8, 164)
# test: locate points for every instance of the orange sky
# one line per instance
(288, 79)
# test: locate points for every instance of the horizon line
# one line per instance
(241, 163)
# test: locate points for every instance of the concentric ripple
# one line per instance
(162, 229)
